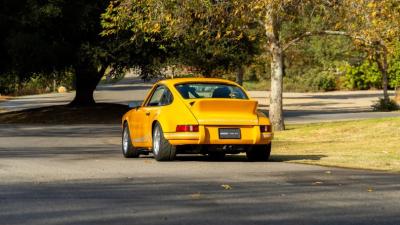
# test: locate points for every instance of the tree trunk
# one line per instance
(385, 86)
(275, 49)
(239, 75)
(276, 104)
(383, 67)
(87, 78)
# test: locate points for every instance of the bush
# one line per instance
(394, 75)
(385, 106)
(312, 81)
(394, 72)
(363, 77)
(37, 84)
(295, 84)
(323, 81)
(8, 84)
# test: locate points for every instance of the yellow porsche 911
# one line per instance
(196, 115)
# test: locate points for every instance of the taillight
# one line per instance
(187, 128)
(265, 128)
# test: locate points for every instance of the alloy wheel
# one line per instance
(156, 141)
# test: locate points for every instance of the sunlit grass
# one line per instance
(262, 85)
(366, 144)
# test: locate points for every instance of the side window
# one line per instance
(161, 96)
(157, 96)
(166, 98)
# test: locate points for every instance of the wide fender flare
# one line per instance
(169, 120)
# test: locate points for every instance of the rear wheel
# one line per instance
(128, 149)
(162, 149)
(259, 152)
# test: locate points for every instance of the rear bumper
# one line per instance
(209, 135)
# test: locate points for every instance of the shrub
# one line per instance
(365, 76)
(36, 84)
(385, 106)
(394, 73)
(323, 81)
(295, 84)
(313, 80)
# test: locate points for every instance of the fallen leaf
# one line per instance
(226, 186)
(196, 195)
(370, 189)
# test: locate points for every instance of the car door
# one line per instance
(139, 120)
(160, 98)
(143, 116)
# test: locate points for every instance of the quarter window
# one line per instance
(161, 96)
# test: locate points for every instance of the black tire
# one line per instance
(164, 151)
(216, 156)
(259, 152)
(128, 150)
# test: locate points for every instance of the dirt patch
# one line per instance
(103, 113)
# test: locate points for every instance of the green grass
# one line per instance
(262, 85)
(364, 144)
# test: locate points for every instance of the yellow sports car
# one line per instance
(196, 115)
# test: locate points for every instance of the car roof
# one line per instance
(175, 81)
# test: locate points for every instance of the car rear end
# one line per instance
(224, 119)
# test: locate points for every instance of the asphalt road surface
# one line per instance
(77, 175)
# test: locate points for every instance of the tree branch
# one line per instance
(327, 32)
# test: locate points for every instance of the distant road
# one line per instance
(298, 107)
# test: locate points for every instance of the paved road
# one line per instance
(76, 175)
(124, 92)
(299, 107)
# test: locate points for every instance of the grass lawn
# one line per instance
(365, 144)
(261, 85)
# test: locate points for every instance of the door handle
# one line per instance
(147, 113)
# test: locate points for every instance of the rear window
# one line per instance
(210, 90)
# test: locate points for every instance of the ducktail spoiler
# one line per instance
(224, 111)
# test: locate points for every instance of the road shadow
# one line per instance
(240, 158)
(201, 158)
(288, 158)
(67, 153)
(286, 198)
(123, 88)
(100, 113)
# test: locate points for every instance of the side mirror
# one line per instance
(135, 104)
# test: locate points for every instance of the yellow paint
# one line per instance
(210, 114)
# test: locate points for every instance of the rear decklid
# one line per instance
(224, 111)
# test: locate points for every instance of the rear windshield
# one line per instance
(210, 90)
